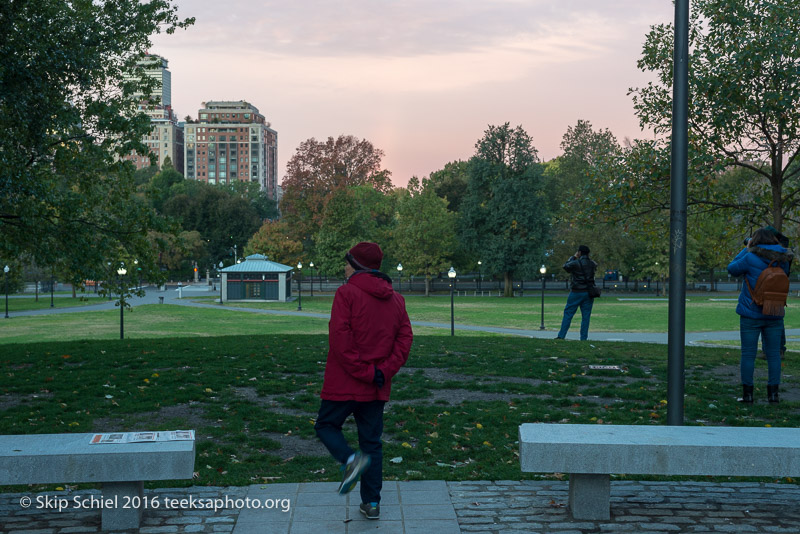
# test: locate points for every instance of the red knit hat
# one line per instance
(366, 255)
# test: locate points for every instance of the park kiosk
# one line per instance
(256, 279)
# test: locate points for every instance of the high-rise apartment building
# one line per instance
(166, 137)
(232, 141)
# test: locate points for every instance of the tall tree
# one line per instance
(450, 183)
(319, 169)
(745, 95)
(273, 240)
(425, 235)
(67, 115)
(351, 215)
(504, 216)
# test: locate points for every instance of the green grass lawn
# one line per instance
(28, 302)
(454, 415)
(608, 315)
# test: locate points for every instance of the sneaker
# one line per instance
(352, 472)
(371, 510)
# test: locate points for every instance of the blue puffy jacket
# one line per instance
(749, 263)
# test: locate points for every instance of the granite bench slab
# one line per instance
(120, 468)
(591, 453)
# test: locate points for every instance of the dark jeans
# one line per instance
(574, 300)
(369, 421)
(770, 331)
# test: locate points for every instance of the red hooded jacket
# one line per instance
(369, 327)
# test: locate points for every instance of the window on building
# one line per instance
(204, 116)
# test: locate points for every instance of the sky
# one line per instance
(420, 79)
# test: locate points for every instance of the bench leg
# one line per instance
(589, 496)
(123, 494)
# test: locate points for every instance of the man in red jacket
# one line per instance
(369, 341)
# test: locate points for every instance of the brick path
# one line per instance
(502, 507)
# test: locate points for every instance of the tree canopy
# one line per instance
(744, 82)
(68, 112)
(504, 217)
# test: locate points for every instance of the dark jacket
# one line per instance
(749, 263)
(582, 270)
(369, 327)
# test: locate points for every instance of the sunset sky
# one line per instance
(420, 79)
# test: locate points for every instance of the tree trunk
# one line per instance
(508, 290)
(427, 286)
(36, 285)
(711, 286)
(73, 291)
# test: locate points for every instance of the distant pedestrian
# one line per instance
(369, 340)
(762, 251)
(581, 269)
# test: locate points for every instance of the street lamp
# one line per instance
(311, 264)
(299, 287)
(5, 279)
(138, 274)
(121, 272)
(220, 283)
(542, 270)
(400, 277)
(480, 275)
(110, 274)
(452, 275)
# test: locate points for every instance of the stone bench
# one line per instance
(120, 468)
(591, 453)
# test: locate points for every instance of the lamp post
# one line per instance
(220, 283)
(400, 277)
(121, 272)
(299, 287)
(52, 289)
(110, 274)
(452, 275)
(311, 264)
(480, 275)
(138, 274)
(542, 270)
(5, 279)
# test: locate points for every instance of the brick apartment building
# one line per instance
(231, 141)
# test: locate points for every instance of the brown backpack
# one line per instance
(772, 288)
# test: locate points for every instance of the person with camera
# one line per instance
(761, 312)
(581, 269)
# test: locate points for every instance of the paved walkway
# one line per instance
(434, 507)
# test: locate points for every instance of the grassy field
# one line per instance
(25, 303)
(454, 414)
(610, 314)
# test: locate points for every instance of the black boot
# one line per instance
(747, 394)
(772, 394)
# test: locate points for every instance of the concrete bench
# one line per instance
(120, 468)
(591, 453)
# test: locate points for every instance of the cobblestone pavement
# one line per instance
(502, 507)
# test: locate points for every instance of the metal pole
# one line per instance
(52, 289)
(541, 326)
(677, 252)
(452, 311)
(299, 294)
(312, 281)
(121, 310)
(5, 279)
